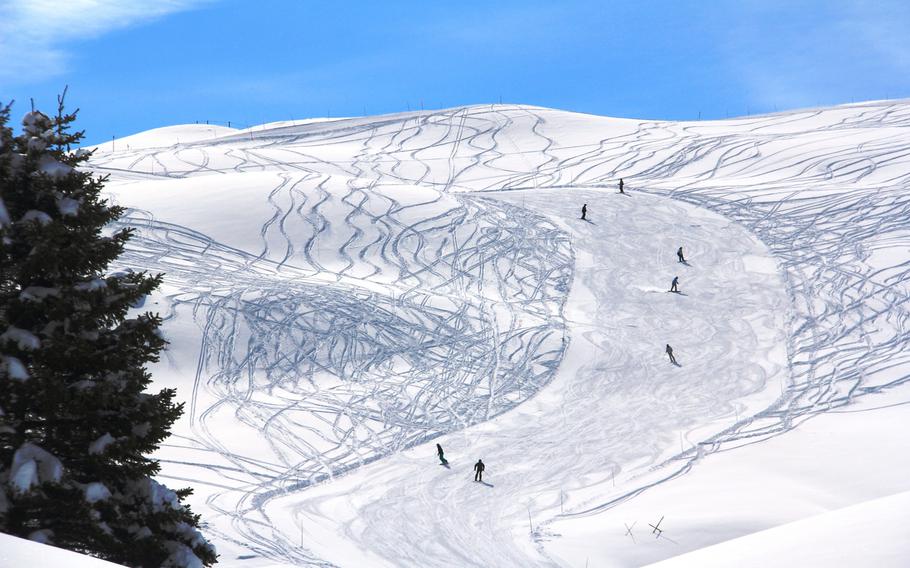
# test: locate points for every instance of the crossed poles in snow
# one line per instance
(657, 531)
(629, 531)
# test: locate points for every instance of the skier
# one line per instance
(478, 467)
(679, 255)
(670, 353)
(620, 186)
(584, 212)
(674, 286)
(442, 458)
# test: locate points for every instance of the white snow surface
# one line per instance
(100, 445)
(851, 536)
(49, 166)
(165, 137)
(16, 552)
(96, 491)
(91, 285)
(342, 295)
(24, 339)
(68, 207)
(13, 367)
(33, 465)
(24, 476)
(36, 216)
(4, 215)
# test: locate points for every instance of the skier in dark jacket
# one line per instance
(679, 255)
(620, 186)
(478, 468)
(442, 458)
(670, 353)
(674, 286)
(584, 212)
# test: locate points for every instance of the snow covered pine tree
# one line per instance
(75, 423)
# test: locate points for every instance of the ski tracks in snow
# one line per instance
(369, 321)
(332, 369)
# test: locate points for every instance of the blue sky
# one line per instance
(134, 65)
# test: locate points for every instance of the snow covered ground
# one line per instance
(341, 295)
(831, 493)
(15, 552)
(869, 534)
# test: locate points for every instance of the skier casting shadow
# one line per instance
(681, 258)
(621, 192)
(478, 469)
(442, 457)
(672, 358)
(674, 287)
(584, 214)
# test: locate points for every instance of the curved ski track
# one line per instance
(272, 324)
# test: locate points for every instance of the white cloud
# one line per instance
(34, 33)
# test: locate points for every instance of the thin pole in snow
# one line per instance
(530, 526)
(613, 475)
(112, 142)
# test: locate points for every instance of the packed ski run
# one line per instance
(342, 295)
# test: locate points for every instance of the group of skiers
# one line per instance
(674, 285)
(478, 467)
(584, 207)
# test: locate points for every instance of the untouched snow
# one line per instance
(868, 534)
(96, 491)
(165, 137)
(33, 465)
(14, 368)
(100, 445)
(20, 552)
(341, 295)
(822, 472)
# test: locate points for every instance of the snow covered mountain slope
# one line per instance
(805, 492)
(852, 536)
(16, 552)
(340, 293)
(167, 136)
